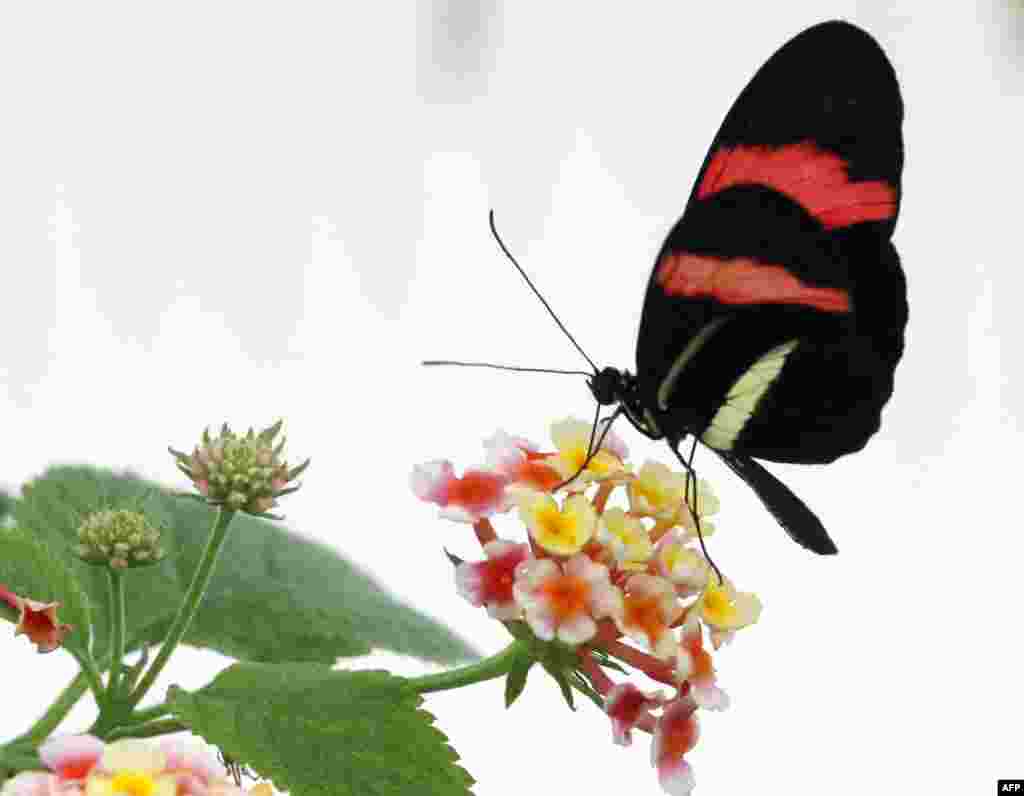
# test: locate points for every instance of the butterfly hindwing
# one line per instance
(792, 514)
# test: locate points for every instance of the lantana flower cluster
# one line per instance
(82, 765)
(607, 582)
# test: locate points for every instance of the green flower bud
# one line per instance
(242, 473)
(119, 538)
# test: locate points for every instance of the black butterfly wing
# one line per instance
(774, 316)
(786, 237)
(792, 514)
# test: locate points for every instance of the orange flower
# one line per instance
(36, 620)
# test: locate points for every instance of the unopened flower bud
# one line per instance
(240, 472)
(119, 538)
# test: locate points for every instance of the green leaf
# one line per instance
(6, 505)
(583, 685)
(30, 568)
(515, 682)
(559, 676)
(603, 659)
(454, 559)
(311, 603)
(319, 732)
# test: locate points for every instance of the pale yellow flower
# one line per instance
(559, 531)
(571, 438)
(657, 491)
(723, 608)
(627, 539)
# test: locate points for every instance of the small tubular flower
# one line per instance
(561, 532)
(626, 538)
(81, 765)
(650, 606)
(71, 757)
(477, 494)
(520, 461)
(685, 567)
(572, 438)
(657, 491)
(490, 582)
(694, 665)
(563, 600)
(193, 759)
(133, 767)
(625, 704)
(37, 621)
(724, 609)
(241, 472)
(707, 506)
(675, 734)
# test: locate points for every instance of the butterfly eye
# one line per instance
(606, 386)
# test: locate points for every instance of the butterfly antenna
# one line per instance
(504, 248)
(592, 449)
(433, 362)
(691, 477)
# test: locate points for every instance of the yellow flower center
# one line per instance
(576, 456)
(132, 783)
(566, 596)
(601, 464)
(652, 492)
(558, 527)
(717, 605)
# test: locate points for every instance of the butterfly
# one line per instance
(775, 313)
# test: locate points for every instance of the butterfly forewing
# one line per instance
(786, 238)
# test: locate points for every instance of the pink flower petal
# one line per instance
(193, 757)
(675, 734)
(37, 783)
(541, 623)
(577, 629)
(430, 481)
(614, 443)
(710, 696)
(624, 704)
(71, 756)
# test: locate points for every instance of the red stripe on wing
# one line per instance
(813, 177)
(743, 280)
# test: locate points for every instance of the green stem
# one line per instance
(150, 730)
(487, 669)
(117, 613)
(189, 605)
(92, 676)
(116, 721)
(55, 714)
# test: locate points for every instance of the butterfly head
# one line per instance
(610, 385)
(613, 386)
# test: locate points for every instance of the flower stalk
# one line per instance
(488, 669)
(189, 605)
(117, 614)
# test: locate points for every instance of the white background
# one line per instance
(242, 211)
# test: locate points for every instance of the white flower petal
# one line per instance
(577, 630)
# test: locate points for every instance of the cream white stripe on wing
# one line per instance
(743, 397)
(698, 341)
